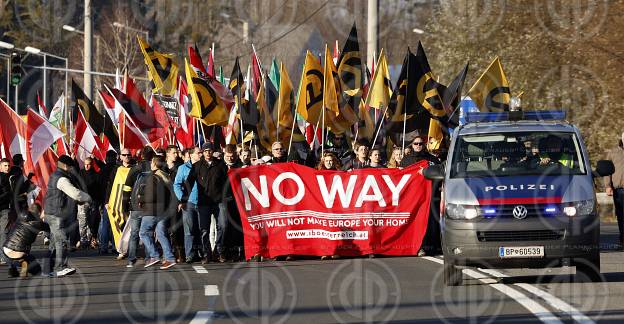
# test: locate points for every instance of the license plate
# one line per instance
(521, 252)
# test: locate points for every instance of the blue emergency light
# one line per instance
(484, 117)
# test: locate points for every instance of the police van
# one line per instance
(518, 193)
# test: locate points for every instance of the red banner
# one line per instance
(292, 209)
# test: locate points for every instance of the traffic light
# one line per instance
(16, 69)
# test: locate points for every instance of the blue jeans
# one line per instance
(222, 225)
(190, 215)
(105, 233)
(135, 226)
(204, 227)
(59, 242)
(148, 223)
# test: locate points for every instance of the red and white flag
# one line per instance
(13, 130)
(185, 131)
(43, 111)
(86, 143)
(40, 134)
(108, 101)
(131, 136)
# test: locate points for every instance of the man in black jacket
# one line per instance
(141, 168)
(5, 203)
(419, 153)
(210, 174)
(229, 243)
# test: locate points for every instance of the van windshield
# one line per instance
(517, 153)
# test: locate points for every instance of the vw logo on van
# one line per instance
(520, 212)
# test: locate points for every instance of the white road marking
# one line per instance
(532, 306)
(211, 290)
(202, 317)
(557, 303)
(200, 269)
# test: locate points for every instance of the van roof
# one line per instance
(516, 126)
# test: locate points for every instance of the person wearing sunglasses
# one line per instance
(419, 153)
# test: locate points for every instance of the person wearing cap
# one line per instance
(614, 185)
(60, 204)
(210, 174)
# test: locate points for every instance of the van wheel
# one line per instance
(452, 275)
(588, 269)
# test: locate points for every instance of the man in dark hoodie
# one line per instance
(210, 174)
(88, 218)
(431, 243)
(229, 241)
(142, 168)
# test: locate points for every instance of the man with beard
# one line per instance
(419, 153)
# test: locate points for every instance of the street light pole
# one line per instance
(88, 37)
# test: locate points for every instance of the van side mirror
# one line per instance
(604, 168)
(434, 172)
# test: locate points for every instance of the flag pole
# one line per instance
(323, 109)
(379, 128)
(292, 132)
(405, 103)
(238, 104)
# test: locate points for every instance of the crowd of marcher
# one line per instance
(171, 197)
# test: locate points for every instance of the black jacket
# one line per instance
(157, 198)
(24, 233)
(56, 202)
(95, 186)
(228, 193)
(211, 179)
(416, 157)
(133, 174)
(5, 191)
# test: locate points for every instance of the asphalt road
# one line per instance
(402, 290)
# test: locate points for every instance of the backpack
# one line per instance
(139, 190)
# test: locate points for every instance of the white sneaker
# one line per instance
(65, 272)
(46, 241)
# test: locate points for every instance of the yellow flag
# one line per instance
(310, 99)
(206, 105)
(162, 68)
(366, 125)
(435, 135)
(330, 96)
(491, 91)
(284, 103)
(380, 90)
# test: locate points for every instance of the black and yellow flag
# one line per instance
(351, 79)
(163, 70)
(427, 94)
(267, 130)
(406, 113)
(285, 104)
(491, 91)
(380, 88)
(206, 104)
(310, 101)
(236, 80)
(451, 97)
(101, 124)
